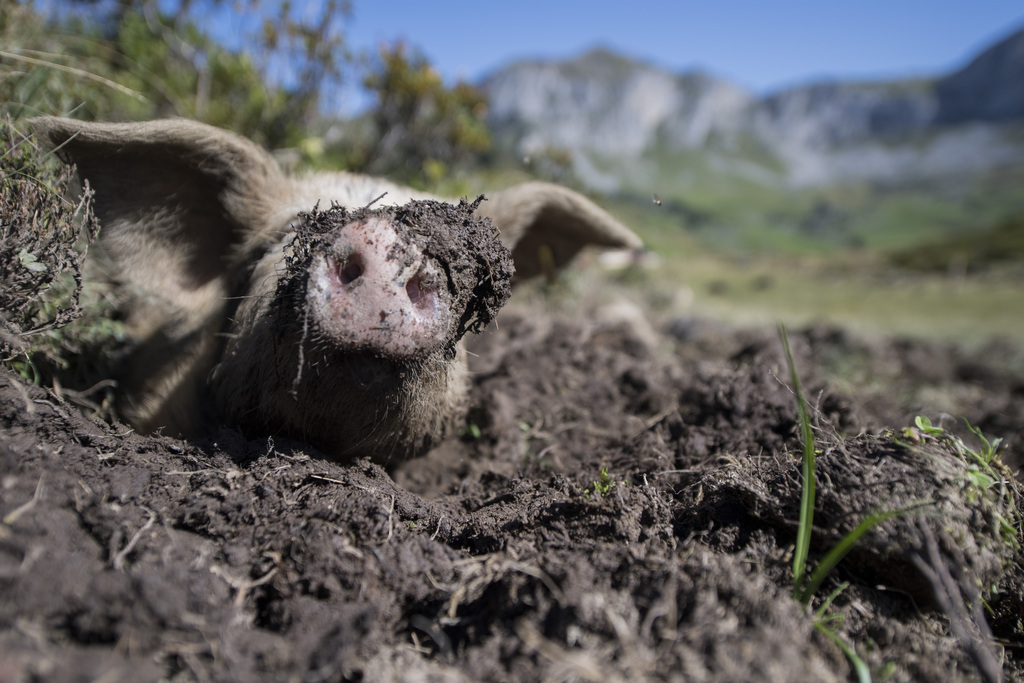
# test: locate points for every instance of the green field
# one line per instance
(943, 261)
(855, 294)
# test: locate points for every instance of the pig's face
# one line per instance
(359, 316)
(342, 326)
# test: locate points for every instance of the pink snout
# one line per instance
(373, 291)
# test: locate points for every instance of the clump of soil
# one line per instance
(622, 506)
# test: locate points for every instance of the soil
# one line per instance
(506, 554)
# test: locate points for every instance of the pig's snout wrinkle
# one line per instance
(376, 292)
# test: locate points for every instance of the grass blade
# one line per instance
(72, 70)
(863, 672)
(803, 534)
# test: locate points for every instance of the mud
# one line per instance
(505, 554)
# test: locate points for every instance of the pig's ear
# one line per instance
(546, 225)
(175, 198)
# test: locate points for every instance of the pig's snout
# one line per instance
(373, 291)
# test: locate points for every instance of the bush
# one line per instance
(42, 242)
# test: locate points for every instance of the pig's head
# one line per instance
(254, 308)
(349, 335)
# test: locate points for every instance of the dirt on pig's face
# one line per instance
(347, 332)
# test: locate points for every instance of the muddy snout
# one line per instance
(370, 290)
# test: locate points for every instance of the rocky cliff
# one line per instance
(607, 103)
(990, 88)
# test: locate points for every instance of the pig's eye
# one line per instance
(350, 269)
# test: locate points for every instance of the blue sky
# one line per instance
(761, 45)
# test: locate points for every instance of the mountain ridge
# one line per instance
(609, 109)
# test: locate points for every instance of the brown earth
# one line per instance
(504, 555)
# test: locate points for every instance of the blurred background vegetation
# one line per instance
(894, 259)
(143, 59)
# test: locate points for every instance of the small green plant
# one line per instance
(533, 433)
(983, 469)
(471, 432)
(984, 456)
(602, 486)
(828, 624)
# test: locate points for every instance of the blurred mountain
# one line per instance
(628, 125)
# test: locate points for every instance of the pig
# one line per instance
(329, 307)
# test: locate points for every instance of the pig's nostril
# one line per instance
(350, 270)
(418, 290)
(412, 288)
